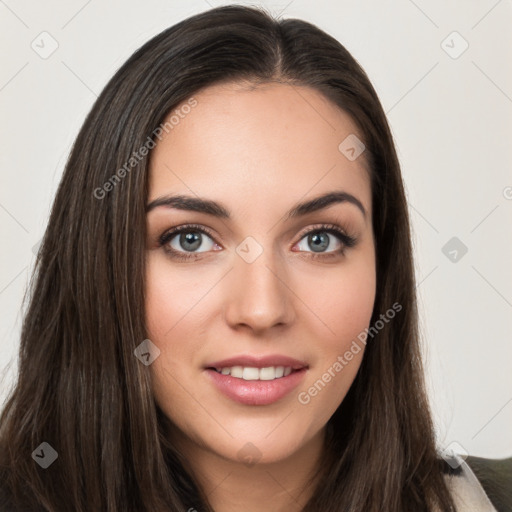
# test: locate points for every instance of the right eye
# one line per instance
(185, 241)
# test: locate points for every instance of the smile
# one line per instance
(251, 389)
(251, 373)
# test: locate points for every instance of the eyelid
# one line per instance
(328, 228)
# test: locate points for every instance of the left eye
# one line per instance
(320, 241)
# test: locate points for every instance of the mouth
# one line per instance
(256, 381)
(272, 365)
(251, 373)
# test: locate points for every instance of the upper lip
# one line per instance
(258, 362)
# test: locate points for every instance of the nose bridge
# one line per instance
(258, 296)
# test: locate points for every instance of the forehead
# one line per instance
(264, 143)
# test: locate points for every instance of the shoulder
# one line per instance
(495, 476)
(479, 484)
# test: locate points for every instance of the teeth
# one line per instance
(250, 373)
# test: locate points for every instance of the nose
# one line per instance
(257, 295)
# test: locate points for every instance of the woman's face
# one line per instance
(265, 280)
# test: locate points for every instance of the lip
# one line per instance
(255, 392)
(259, 362)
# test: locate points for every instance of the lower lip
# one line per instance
(256, 392)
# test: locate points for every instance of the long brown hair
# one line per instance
(81, 390)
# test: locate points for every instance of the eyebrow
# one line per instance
(196, 204)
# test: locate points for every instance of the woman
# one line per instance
(223, 316)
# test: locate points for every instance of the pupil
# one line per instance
(319, 242)
(194, 239)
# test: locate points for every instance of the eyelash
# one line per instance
(346, 240)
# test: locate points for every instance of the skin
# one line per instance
(258, 151)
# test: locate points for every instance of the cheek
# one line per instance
(179, 309)
(171, 319)
(162, 312)
(343, 303)
(170, 297)
(343, 307)
(169, 308)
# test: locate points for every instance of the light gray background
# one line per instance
(451, 118)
